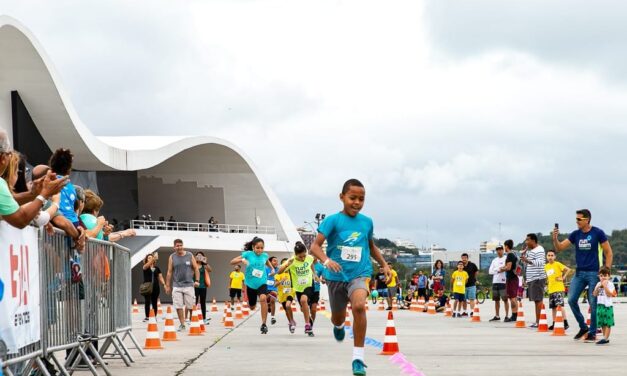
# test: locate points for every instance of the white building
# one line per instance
(405, 243)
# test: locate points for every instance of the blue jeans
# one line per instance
(577, 285)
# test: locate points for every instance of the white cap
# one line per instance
(5, 143)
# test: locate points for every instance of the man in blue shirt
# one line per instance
(591, 249)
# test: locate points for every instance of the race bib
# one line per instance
(287, 290)
(303, 281)
(257, 273)
(270, 282)
(352, 254)
(460, 282)
(550, 272)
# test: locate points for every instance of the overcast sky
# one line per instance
(457, 116)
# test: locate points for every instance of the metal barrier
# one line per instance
(84, 298)
(201, 227)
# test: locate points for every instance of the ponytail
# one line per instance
(299, 248)
(249, 246)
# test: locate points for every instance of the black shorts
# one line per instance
(308, 293)
(315, 298)
(290, 299)
(253, 293)
(422, 292)
(235, 293)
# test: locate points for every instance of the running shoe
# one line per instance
(339, 333)
(181, 328)
(145, 320)
(495, 318)
(292, 328)
(207, 321)
(580, 333)
(566, 326)
(264, 329)
(273, 321)
(552, 326)
(359, 368)
(308, 330)
(507, 319)
(603, 342)
(388, 309)
(465, 314)
(533, 326)
(590, 338)
(454, 315)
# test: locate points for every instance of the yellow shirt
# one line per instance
(392, 282)
(459, 281)
(236, 279)
(553, 271)
(283, 284)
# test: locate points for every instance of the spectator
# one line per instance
(96, 225)
(392, 284)
(511, 279)
(623, 284)
(184, 273)
(533, 256)
(458, 281)
(204, 284)
(422, 285)
(499, 291)
(471, 284)
(61, 164)
(10, 211)
(604, 291)
(438, 276)
(152, 274)
(382, 287)
(440, 300)
(589, 242)
(556, 274)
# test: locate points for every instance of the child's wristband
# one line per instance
(326, 262)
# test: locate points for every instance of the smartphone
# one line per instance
(557, 226)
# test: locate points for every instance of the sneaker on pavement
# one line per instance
(264, 329)
(533, 326)
(465, 314)
(566, 326)
(495, 318)
(388, 309)
(603, 341)
(339, 333)
(507, 319)
(551, 327)
(580, 333)
(308, 330)
(181, 328)
(292, 328)
(359, 368)
(590, 339)
(273, 321)
(146, 319)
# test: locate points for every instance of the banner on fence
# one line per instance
(19, 287)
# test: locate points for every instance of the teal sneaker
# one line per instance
(338, 333)
(359, 368)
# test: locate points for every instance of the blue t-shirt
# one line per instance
(588, 251)
(319, 269)
(66, 202)
(348, 244)
(422, 281)
(270, 281)
(255, 274)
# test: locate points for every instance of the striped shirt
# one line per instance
(535, 270)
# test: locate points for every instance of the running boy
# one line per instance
(272, 290)
(235, 285)
(256, 261)
(285, 292)
(348, 268)
(301, 270)
(605, 291)
(315, 300)
(458, 281)
(556, 274)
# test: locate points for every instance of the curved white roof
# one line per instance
(25, 67)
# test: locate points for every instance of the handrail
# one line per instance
(201, 227)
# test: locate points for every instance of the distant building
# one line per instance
(405, 244)
(413, 261)
(489, 246)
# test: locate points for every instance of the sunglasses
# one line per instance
(580, 219)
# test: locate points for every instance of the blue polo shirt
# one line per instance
(588, 251)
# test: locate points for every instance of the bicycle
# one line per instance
(482, 294)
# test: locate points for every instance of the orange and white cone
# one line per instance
(421, 304)
(431, 307)
(238, 312)
(159, 309)
(246, 309)
(200, 320)
(558, 325)
(394, 304)
(214, 306)
(390, 343)
(169, 332)
(322, 307)
(381, 306)
(449, 311)
(226, 306)
(347, 320)
(476, 315)
(589, 315)
(228, 320)
(135, 307)
(520, 318)
(543, 325)
(152, 334)
(294, 307)
(194, 326)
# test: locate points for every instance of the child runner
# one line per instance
(458, 281)
(556, 273)
(301, 270)
(272, 290)
(318, 270)
(285, 292)
(348, 268)
(605, 291)
(235, 285)
(256, 261)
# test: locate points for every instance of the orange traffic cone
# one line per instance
(226, 306)
(431, 307)
(238, 312)
(135, 307)
(159, 309)
(520, 319)
(449, 311)
(194, 327)
(246, 309)
(322, 307)
(394, 304)
(347, 320)
(558, 325)
(152, 335)
(214, 306)
(200, 320)
(543, 325)
(589, 315)
(476, 316)
(169, 332)
(228, 320)
(390, 343)
(294, 307)
(421, 304)
(381, 306)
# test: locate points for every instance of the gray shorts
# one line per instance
(499, 292)
(392, 291)
(340, 292)
(535, 290)
(183, 297)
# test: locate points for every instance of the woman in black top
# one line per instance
(152, 273)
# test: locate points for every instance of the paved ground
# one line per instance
(434, 344)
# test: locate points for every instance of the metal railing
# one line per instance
(201, 227)
(85, 297)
